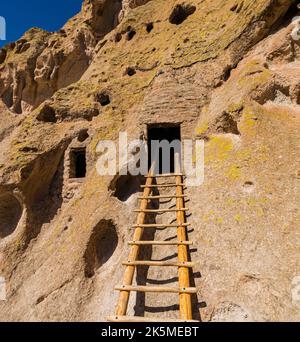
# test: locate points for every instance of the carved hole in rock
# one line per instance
(227, 72)
(149, 27)
(103, 99)
(292, 12)
(10, 214)
(62, 32)
(234, 7)
(83, 135)
(248, 183)
(237, 7)
(226, 75)
(169, 133)
(78, 163)
(298, 99)
(180, 13)
(101, 246)
(130, 71)
(124, 187)
(130, 34)
(118, 37)
(47, 114)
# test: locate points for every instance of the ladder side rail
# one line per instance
(185, 301)
(134, 250)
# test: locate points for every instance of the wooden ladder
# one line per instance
(184, 289)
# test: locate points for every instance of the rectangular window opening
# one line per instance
(78, 163)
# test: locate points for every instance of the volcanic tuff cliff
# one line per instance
(227, 71)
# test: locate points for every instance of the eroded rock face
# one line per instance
(53, 61)
(17, 85)
(227, 72)
(10, 214)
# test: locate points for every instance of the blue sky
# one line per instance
(20, 15)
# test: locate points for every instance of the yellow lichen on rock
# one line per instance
(226, 72)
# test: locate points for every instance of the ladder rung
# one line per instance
(163, 289)
(136, 319)
(162, 243)
(161, 196)
(162, 185)
(159, 263)
(160, 225)
(160, 210)
(166, 175)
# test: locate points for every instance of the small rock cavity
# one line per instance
(101, 246)
(180, 13)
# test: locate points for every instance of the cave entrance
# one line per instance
(78, 163)
(10, 214)
(164, 141)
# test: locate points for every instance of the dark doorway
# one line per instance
(78, 163)
(165, 159)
